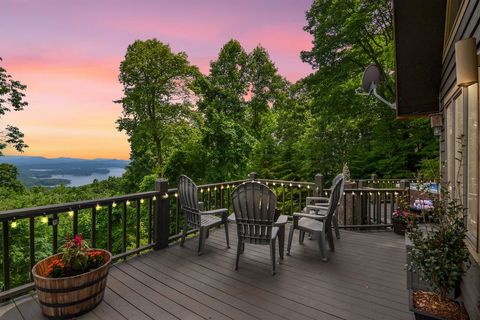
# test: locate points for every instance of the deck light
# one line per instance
(466, 62)
(299, 186)
(154, 198)
(165, 196)
(114, 204)
(44, 219)
(98, 207)
(290, 184)
(142, 200)
(176, 195)
(70, 213)
(308, 187)
(14, 224)
(128, 202)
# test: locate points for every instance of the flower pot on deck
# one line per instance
(68, 297)
(423, 315)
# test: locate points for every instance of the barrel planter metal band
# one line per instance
(68, 297)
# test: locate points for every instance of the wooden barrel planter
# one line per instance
(68, 297)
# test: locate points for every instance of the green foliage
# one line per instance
(439, 251)
(157, 100)
(9, 178)
(12, 98)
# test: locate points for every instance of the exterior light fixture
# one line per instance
(466, 62)
(436, 122)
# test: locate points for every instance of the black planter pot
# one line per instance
(399, 226)
(422, 315)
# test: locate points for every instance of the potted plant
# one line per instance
(399, 221)
(439, 253)
(72, 282)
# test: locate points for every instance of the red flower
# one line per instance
(78, 240)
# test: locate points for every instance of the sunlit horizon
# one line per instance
(68, 55)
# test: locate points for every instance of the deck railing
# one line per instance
(130, 224)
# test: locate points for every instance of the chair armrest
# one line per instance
(317, 209)
(215, 211)
(281, 221)
(317, 199)
(231, 218)
(297, 215)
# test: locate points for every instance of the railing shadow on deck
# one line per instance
(130, 224)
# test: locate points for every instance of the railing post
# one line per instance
(405, 184)
(252, 175)
(319, 184)
(374, 179)
(162, 215)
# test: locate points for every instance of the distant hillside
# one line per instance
(69, 171)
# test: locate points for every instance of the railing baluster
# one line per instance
(150, 207)
(124, 227)
(6, 256)
(32, 244)
(177, 215)
(94, 227)
(137, 225)
(75, 222)
(283, 198)
(300, 200)
(291, 199)
(55, 233)
(109, 227)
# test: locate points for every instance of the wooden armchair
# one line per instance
(195, 216)
(318, 224)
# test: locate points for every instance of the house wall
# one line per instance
(467, 25)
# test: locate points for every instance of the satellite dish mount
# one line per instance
(371, 78)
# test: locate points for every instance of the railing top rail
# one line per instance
(54, 208)
(287, 182)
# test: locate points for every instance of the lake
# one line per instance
(76, 181)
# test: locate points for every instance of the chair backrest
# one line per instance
(254, 206)
(342, 186)
(188, 196)
(335, 196)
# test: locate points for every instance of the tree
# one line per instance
(12, 95)
(267, 89)
(9, 178)
(157, 97)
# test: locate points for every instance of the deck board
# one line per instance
(364, 279)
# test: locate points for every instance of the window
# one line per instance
(463, 155)
(472, 164)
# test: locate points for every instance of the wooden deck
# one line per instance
(364, 279)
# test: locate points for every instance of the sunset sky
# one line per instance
(68, 54)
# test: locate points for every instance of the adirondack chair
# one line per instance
(195, 216)
(320, 225)
(254, 205)
(319, 205)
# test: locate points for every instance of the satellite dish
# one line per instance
(371, 78)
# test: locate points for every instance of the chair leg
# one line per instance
(201, 240)
(272, 255)
(290, 238)
(281, 241)
(301, 236)
(331, 245)
(322, 247)
(335, 226)
(226, 234)
(239, 251)
(184, 235)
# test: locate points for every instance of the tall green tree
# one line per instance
(157, 98)
(12, 98)
(225, 138)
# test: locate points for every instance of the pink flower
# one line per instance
(78, 240)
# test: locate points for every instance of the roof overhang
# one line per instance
(418, 33)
